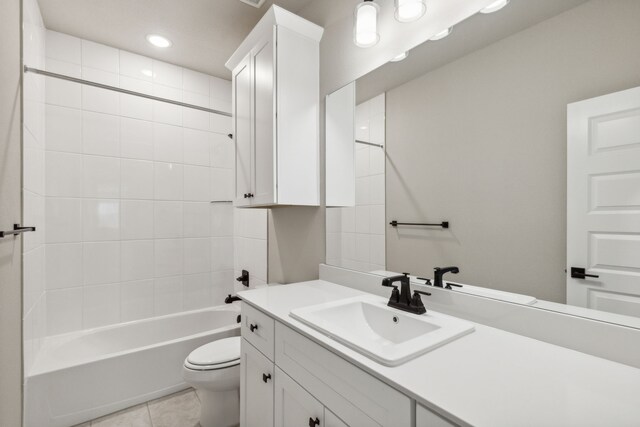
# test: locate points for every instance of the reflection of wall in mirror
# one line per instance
(355, 235)
(481, 142)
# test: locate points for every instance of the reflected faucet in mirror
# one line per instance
(439, 272)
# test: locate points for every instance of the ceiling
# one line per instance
(204, 32)
(473, 34)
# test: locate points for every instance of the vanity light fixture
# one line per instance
(495, 6)
(442, 34)
(410, 10)
(158, 40)
(365, 29)
(400, 57)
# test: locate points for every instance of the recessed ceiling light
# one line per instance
(442, 34)
(147, 72)
(158, 40)
(495, 6)
(400, 57)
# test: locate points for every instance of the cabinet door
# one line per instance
(294, 406)
(264, 121)
(427, 418)
(242, 118)
(331, 420)
(256, 388)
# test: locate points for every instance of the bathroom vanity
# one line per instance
(293, 375)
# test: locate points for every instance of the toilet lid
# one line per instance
(215, 353)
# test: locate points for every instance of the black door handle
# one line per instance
(253, 327)
(581, 273)
(313, 423)
(266, 377)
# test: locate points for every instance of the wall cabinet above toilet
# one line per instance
(276, 112)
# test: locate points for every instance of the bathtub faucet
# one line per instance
(229, 299)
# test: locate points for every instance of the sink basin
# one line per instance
(388, 336)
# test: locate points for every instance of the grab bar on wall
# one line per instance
(17, 229)
(28, 69)
(369, 143)
(443, 224)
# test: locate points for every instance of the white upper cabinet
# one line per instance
(275, 112)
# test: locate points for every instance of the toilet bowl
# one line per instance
(214, 371)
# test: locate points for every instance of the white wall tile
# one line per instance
(164, 112)
(169, 179)
(100, 305)
(64, 174)
(137, 178)
(197, 183)
(136, 219)
(63, 220)
(63, 129)
(101, 177)
(194, 118)
(167, 295)
(136, 139)
(222, 151)
(167, 74)
(100, 134)
(63, 266)
(33, 169)
(136, 260)
(377, 160)
(220, 89)
(363, 219)
(222, 251)
(222, 181)
(136, 300)
(133, 106)
(100, 220)
(197, 255)
(222, 284)
(220, 124)
(377, 223)
(197, 147)
(98, 99)
(33, 274)
(101, 57)
(63, 47)
(197, 291)
(197, 219)
(61, 92)
(34, 214)
(167, 143)
(136, 66)
(222, 217)
(100, 262)
(196, 82)
(168, 220)
(64, 310)
(168, 257)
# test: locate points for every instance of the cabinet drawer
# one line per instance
(353, 395)
(427, 418)
(258, 329)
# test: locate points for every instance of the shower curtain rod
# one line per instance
(125, 91)
(369, 143)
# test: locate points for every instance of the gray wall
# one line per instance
(481, 142)
(10, 212)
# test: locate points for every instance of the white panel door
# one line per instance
(294, 406)
(264, 129)
(242, 130)
(603, 202)
(256, 388)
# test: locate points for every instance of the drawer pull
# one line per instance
(253, 327)
(266, 377)
(313, 423)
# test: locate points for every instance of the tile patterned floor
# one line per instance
(181, 409)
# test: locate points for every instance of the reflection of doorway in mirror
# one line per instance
(603, 203)
(355, 234)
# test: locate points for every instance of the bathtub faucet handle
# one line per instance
(244, 279)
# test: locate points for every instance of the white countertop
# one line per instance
(487, 378)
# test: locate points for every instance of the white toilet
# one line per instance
(214, 370)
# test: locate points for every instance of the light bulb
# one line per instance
(400, 57)
(410, 10)
(442, 34)
(365, 29)
(495, 6)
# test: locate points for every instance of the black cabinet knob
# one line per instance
(266, 377)
(313, 423)
(253, 327)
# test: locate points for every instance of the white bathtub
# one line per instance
(83, 375)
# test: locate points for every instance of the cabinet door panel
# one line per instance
(264, 135)
(331, 420)
(242, 130)
(256, 394)
(294, 406)
(426, 418)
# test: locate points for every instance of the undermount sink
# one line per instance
(388, 336)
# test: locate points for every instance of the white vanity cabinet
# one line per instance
(276, 112)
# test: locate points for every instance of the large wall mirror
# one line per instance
(514, 145)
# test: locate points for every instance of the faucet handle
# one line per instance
(417, 303)
(428, 281)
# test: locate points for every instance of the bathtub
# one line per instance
(83, 375)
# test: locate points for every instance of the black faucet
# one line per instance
(402, 300)
(230, 299)
(439, 272)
